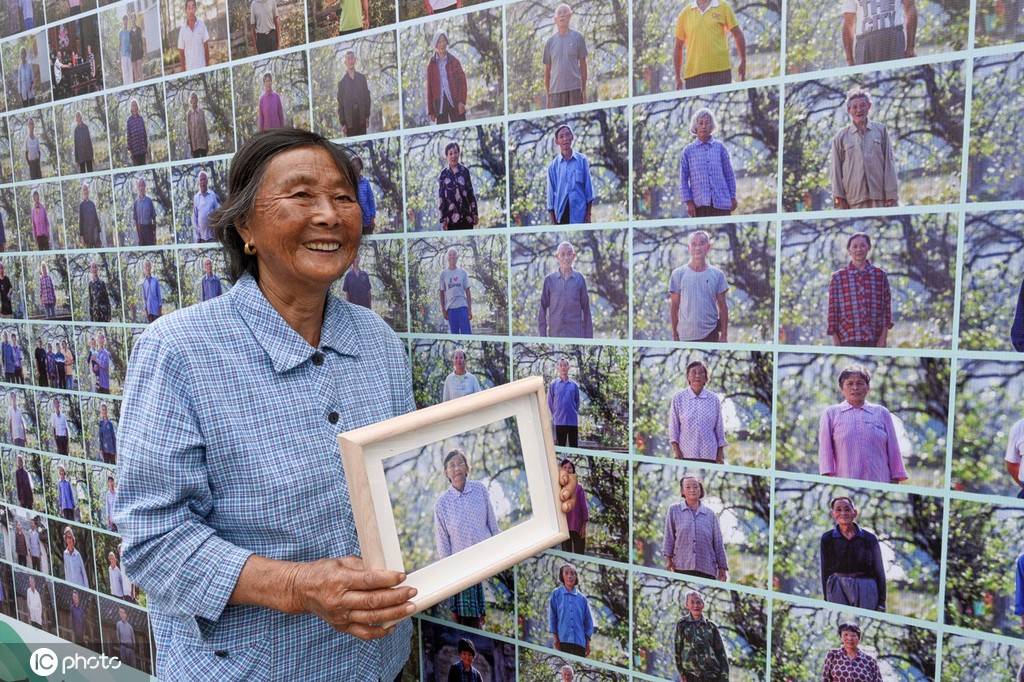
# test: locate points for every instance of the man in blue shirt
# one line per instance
(564, 301)
(152, 299)
(144, 216)
(210, 284)
(364, 194)
(570, 192)
(564, 405)
(101, 365)
(569, 616)
(65, 494)
(108, 435)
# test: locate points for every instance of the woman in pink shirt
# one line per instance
(271, 113)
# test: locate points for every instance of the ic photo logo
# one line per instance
(45, 662)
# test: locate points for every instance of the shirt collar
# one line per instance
(836, 533)
(845, 406)
(714, 4)
(283, 344)
(688, 392)
(701, 509)
(853, 268)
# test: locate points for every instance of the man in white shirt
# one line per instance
(193, 40)
(878, 30)
(34, 603)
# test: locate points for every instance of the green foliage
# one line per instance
(482, 152)
(151, 108)
(606, 590)
(965, 658)
(165, 270)
(740, 502)
(377, 59)
(213, 91)
(915, 390)
(384, 261)
(745, 253)
(291, 13)
(743, 382)
(923, 109)
(995, 170)
(290, 81)
(147, 15)
(485, 261)
(604, 26)
(126, 192)
(908, 527)
(105, 544)
(994, 25)
(987, 398)
(654, 37)
(918, 253)
(602, 373)
(983, 542)
(94, 115)
(474, 39)
(803, 635)
(658, 604)
(540, 665)
(601, 135)
(814, 39)
(748, 126)
(602, 257)
(190, 265)
(993, 267)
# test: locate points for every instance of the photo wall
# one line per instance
(768, 258)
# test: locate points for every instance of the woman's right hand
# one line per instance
(350, 598)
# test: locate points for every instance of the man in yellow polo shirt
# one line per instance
(701, 29)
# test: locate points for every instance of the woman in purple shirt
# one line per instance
(857, 439)
(578, 517)
(693, 536)
(706, 181)
(271, 112)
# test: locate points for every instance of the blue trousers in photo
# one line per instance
(458, 320)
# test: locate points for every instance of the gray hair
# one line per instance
(855, 370)
(855, 93)
(564, 245)
(692, 593)
(697, 115)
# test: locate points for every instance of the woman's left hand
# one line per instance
(568, 492)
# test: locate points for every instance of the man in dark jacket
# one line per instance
(353, 99)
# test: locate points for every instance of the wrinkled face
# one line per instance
(697, 377)
(850, 639)
(858, 249)
(147, 268)
(564, 139)
(460, 362)
(35, 198)
(457, 469)
(566, 256)
(141, 187)
(194, 101)
(569, 577)
(103, 415)
(843, 512)
(453, 155)
(699, 245)
(855, 389)
(134, 107)
(691, 489)
(306, 223)
(350, 61)
(562, 18)
(85, 192)
(69, 539)
(858, 109)
(78, 118)
(268, 83)
(453, 259)
(563, 369)
(190, 9)
(441, 47)
(204, 182)
(94, 272)
(704, 126)
(208, 266)
(695, 605)
(467, 658)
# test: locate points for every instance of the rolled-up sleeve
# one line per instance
(164, 495)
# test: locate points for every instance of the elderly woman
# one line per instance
(851, 561)
(463, 516)
(241, 582)
(693, 542)
(848, 663)
(578, 518)
(707, 184)
(446, 83)
(456, 200)
(695, 425)
(859, 299)
(700, 652)
(857, 439)
(459, 382)
(74, 566)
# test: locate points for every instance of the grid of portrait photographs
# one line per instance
(767, 257)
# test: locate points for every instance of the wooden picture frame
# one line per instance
(364, 450)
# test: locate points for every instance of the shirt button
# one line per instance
(333, 417)
(318, 359)
(220, 653)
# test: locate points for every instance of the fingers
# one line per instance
(382, 615)
(355, 600)
(365, 631)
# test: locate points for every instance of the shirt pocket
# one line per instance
(188, 660)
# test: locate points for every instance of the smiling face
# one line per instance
(566, 256)
(704, 126)
(855, 389)
(204, 182)
(569, 577)
(690, 488)
(850, 639)
(457, 470)
(453, 258)
(563, 15)
(697, 377)
(858, 250)
(453, 155)
(843, 512)
(695, 605)
(699, 245)
(305, 223)
(564, 140)
(459, 361)
(441, 47)
(563, 369)
(207, 267)
(858, 109)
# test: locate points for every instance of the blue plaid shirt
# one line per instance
(705, 175)
(227, 449)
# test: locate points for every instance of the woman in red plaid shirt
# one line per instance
(859, 299)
